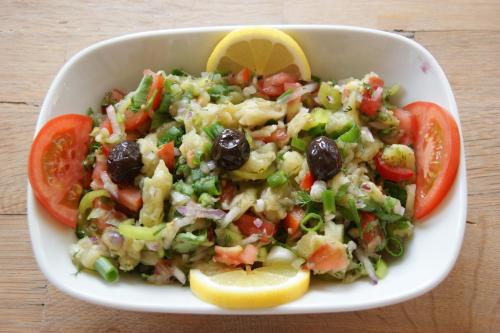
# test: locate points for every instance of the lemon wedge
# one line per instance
(258, 288)
(263, 50)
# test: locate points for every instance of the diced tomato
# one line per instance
(55, 165)
(228, 191)
(292, 86)
(328, 257)
(250, 225)
(273, 86)
(437, 152)
(134, 120)
(228, 255)
(369, 106)
(372, 236)
(408, 126)
(235, 255)
(372, 97)
(130, 197)
(376, 82)
(279, 136)
(249, 255)
(307, 182)
(167, 154)
(395, 174)
(241, 78)
(292, 221)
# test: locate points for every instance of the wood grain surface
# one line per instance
(37, 37)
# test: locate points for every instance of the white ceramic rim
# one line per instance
(95, 299)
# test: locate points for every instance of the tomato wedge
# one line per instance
(241, 78)
(437, 151)
(292, 221)
(55, 165)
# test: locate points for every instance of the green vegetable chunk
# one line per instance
(140, 96)
(277, 179)
(209, 184)
(172, 134)
(352, 135)
(106, 269)
(329, 97)
(328, 198)
(162, 115)
(298, 144)
(213, 130)
(188, 242)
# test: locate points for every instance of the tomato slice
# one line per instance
(407, 125)
(250, 225)
(156, 86)
(273, 86)
(55, 165)
(437, 151)
(395, 174)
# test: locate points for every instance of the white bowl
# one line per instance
(334, 52)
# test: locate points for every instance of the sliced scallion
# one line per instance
(106, 269)
(308, 219)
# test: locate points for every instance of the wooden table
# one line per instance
(37, 37)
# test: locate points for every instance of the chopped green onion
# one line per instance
(183, 188)
(317, 130)
(209, 184)
(213, 130)
(394, 246)
(352, 135)
(172, 134)
(298, 144)
(277, 179)
(311, 217)
(141, 94)
(328, 198)
(106, 269)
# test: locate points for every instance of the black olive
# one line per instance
(124, 162)
(230, 149)
(323, 158)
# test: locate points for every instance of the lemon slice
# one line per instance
(239, 289)
(263, 50)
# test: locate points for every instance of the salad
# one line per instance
(238, 170)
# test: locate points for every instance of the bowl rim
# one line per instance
(34, 230)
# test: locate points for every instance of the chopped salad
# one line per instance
(240, 170)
